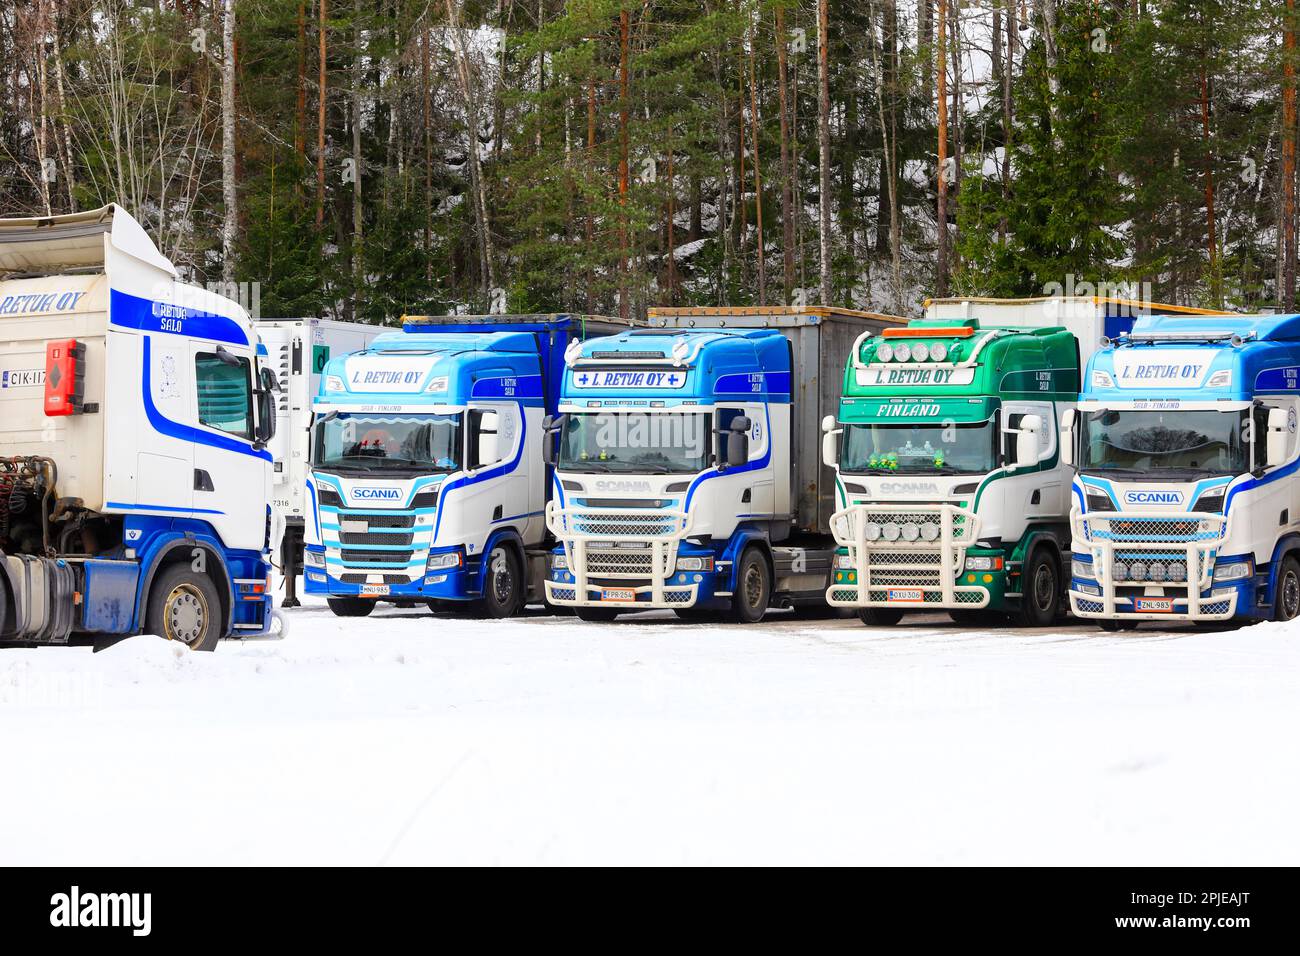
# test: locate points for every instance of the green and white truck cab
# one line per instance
(951, 489)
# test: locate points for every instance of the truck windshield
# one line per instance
(1182, 442)
(939, 448)
(636, 442)
(386, 444)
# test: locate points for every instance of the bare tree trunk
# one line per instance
(624, 26)
(824, 146)
(426, 99)
(68, 171)
(787, 189)
(590, 224)
(300, 107)
(672, 211)
(889, 141)
(1211, 239)
(1009, 67)
(230, 222)
(322, 30)
(1288, 231)
(758, 176)
(42, 147)
(941, 216)
(358, 213)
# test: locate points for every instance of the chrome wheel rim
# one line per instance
(753, 585)
(185, 614)
(1290, 596)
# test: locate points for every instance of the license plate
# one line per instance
(906, 595)
(618, 594)
(373, 590)
(1161, 605)
(353, 526)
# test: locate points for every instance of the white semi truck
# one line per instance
(135, 413)
(299, 350)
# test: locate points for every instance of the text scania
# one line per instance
(74, 909)
(377, 494)
(1153, 497)
(909, 409)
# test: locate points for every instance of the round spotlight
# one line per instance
(930, 532)
(1121, 571)
(884, 352)
(872, 531)
(901, 354)
(891, 531)
(911, 531)
(1178, 571)
(938, 352)
(919, 352)
(1157, 572)
(1138, 571)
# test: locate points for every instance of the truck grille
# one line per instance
(396, 522)
(393, 538)
(376, 557)
(365, 578)
(643, 524)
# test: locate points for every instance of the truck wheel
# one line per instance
(502, 584)
(184, 606)
(1040, 584)
(753, 588)
(595, 615)
(879, 616)
(350, 607)
(1286, 602)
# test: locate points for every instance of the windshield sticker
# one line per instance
(629, 378)
(916, 376)
(1162, 368)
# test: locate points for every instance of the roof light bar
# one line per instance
(959, 332)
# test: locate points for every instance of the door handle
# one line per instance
(202, 480)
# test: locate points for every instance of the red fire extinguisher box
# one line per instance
(65, 376)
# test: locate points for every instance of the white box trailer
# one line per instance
(299, 350)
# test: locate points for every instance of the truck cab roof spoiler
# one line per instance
(75, 242)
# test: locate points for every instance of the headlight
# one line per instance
(938, 352)
(872, 531)
(437, 384)
(884, 352)
(560, 562)
(443, 560)
(911, 532)
(930, 531)
(314, 559)
(979, 563)
(334, 384)
(890, 531)
(1235, 571)
(919, 352)
(843, 562)
(694, 564)
(1089, 589)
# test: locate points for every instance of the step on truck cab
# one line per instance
(134, 416)
(298, 350)
(686, 467)
(953, 495)
(427, 482)
(1186, 505)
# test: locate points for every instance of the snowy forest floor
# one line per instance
(405, 738)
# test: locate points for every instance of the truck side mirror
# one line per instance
(551, 427)
(1066, 439)
(1031, 426)
(737, 438)
(1275, 453)
(830, 447)
(483, 437)
(266, 405)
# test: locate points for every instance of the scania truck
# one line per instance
(686, 467)
(1186, 505)
(427, 482)
(135, 412)
(299, 350)
(952, 491)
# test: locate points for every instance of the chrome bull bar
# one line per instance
(910, 555)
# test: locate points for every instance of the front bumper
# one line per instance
(459, 583)
(926, 572)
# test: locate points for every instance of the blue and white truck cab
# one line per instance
(686, 474)
(1185, 504)
(135, 411)
(427, 482)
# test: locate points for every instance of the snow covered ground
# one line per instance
(405, 738)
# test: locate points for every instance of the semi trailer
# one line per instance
(687, 474)
(952, 491)
(1186, 504)
(427, 482)
(135, 412)
(299, 350)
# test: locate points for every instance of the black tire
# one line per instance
(1040, 585)
(184, 606)
(1113, 626)
(350, 606)
(879, 616)
(753, 588)
(503, 583)
(1286, 600)
(980, 617)
(595, 615)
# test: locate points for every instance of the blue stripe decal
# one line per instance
(123, 506)
(315, 510)
(510, 386)
(144, 315)
(188, 433)
(530, 514)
